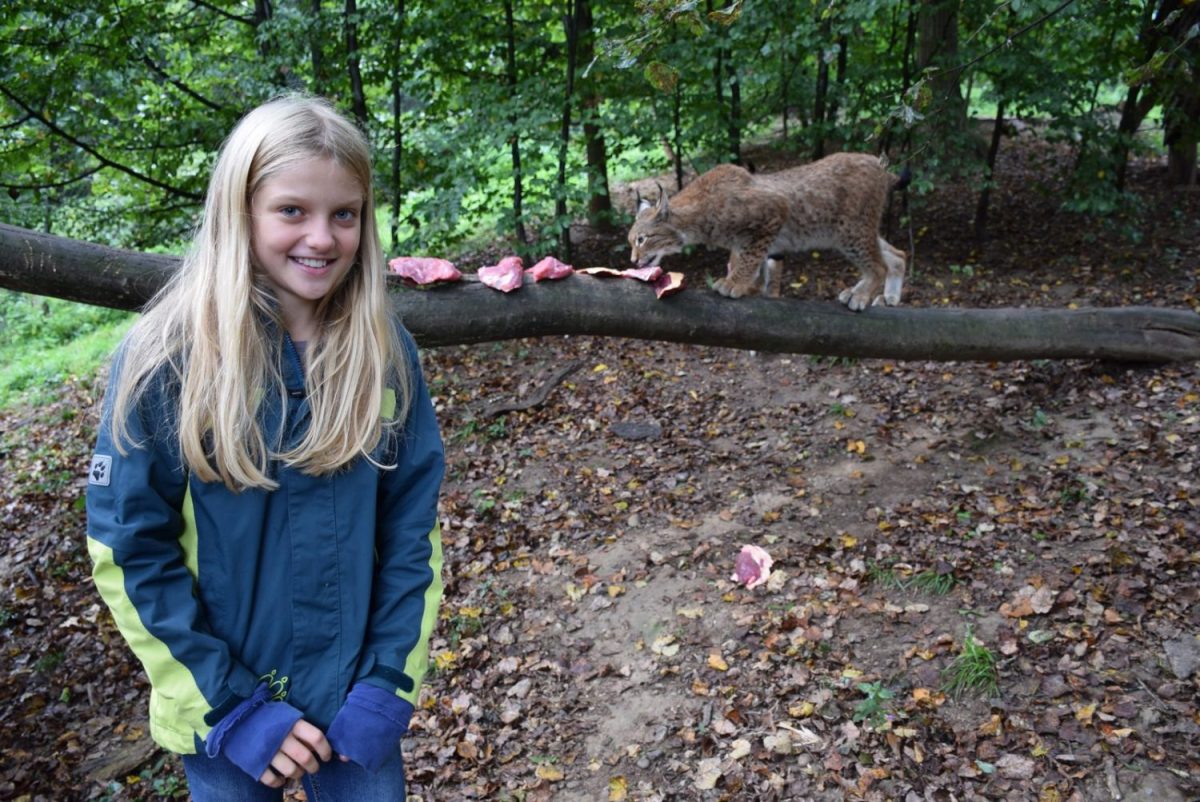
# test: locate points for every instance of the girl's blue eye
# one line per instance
(345, 215)
(289, 211)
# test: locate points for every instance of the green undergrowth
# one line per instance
(44, 341)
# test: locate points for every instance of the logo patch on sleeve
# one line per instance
(100, 472)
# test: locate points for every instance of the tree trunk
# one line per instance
(820, 95)
(1181, 128)
(353, 66)
(985, 195)
(1165, 29)
(677, 133)
(1135, 108)
(571, 30)
(316, 44)
(839, 82)
(937, 47)
(735, 111)
(718, 72)
(599, 211)
(397, 187)
(514, 139)
(906, 65)
(469, 312)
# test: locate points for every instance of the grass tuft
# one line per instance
(973, 670)
(933, 582)
(885, 576)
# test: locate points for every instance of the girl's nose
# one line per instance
(319, 235)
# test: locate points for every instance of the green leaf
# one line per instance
(662, 76)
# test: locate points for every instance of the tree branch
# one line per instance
(17, 123)
(251, 21)
(470, 312)
(181, 86)
(55, 184)
(95, 154)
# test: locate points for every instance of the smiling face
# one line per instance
(304, 236)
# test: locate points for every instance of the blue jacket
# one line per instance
(323, 583)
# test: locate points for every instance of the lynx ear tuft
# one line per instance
(662, 206)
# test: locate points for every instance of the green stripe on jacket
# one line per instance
(177, 707)
(418, 659)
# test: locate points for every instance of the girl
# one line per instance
(262, 504)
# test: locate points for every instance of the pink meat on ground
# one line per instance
(550, 268)
(424, 269)
(753, 566)
(505, 276)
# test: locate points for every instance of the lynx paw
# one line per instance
(852, 298)
(725, 287)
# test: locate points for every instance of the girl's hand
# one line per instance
(302, 752)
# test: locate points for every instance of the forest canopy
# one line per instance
(513, 117)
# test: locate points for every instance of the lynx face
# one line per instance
(652, 237)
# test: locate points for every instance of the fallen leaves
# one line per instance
(1029, 601)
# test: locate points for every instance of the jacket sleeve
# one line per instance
(142, 541)
(408, 582)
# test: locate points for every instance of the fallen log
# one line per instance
(469, 312)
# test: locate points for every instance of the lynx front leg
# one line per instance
(743, 271)
(897, 263)
(869, 260)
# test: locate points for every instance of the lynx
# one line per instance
(836, 202)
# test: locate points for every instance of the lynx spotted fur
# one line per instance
(836, 202)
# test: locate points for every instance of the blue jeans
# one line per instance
(218, 780)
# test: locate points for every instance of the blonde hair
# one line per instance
(216, 324)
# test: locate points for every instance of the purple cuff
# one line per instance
(368, 727)
(251, 733)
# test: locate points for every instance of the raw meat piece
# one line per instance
(668, 284)
(640, 273)
(753, 567)
(550, 268)
(424, 269)
(643, 273)
(505, 276)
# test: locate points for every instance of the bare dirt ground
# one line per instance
(593, 645)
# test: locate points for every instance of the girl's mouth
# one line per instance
(312, 265)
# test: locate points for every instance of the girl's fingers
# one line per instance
(285, 767)
(300, 753)
(271, 778)
(313, 738)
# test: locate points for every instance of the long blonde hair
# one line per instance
(217, 327)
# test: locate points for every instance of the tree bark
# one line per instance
(1181, 130)
(945, 125)
(514, 139)
(396, 77)
(600, 208)
(985, 195)
(571, 31)
(354, 68)
(820, 95)
(469, 312)
(316, 45)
